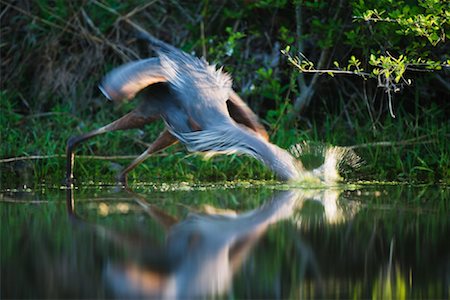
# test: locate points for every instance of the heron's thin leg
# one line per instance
(129, 121)
(164, 140)
(164, 219)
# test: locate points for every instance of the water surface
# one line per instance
(227, 241)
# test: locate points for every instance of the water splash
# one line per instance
(324, 162)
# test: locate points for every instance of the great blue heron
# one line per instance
(196, 103)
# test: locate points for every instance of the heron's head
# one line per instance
(105, 92)
(115, 93)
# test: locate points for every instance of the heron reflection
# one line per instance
(201, 252)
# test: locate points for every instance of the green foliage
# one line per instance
(389, 27)
(387, 67)
(269, 4)
(54, 53)
(427, 18)
(225, 48)
(414, 31)
(430, 19)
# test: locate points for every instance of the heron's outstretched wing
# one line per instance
(242, 114)
(125, 81)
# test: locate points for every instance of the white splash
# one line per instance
(335, 160)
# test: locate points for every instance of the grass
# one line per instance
(54, 55)
(424, 157)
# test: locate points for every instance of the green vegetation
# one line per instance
(373, 75)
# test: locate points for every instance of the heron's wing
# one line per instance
(242, 114)
(125, 81)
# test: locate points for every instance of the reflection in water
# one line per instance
(377, 242)
(333, 209)
(391, 283)
(203, 251)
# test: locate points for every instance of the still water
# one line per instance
(226, 241)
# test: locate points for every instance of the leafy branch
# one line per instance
(388, 70)
(426, 25)
(304, 65)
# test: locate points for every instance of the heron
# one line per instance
(196, 102)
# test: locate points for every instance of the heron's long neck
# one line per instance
(280, 161)
(230, 138)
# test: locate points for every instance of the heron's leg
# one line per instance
(164, 219)
(164, 140)
(129, 121)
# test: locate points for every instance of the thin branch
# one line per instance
(216, 14)
(17, 201)
(369, 109)
(377, 19)
(307, 93)
(111, 10)
(444, 82)
(51, 114)
(96, 157)
(391, 110)
(51, 24)
(4, 12)
(302, 69)
(362, 74)
(184, 11)
(399, 143)
(202, 38)
(307, 90)
(99, 34)
(138, 9)
(74, 31)
(299, 33)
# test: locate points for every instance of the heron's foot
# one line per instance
(69, 181)
(122, 179)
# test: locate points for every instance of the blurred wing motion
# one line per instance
(124, 82)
